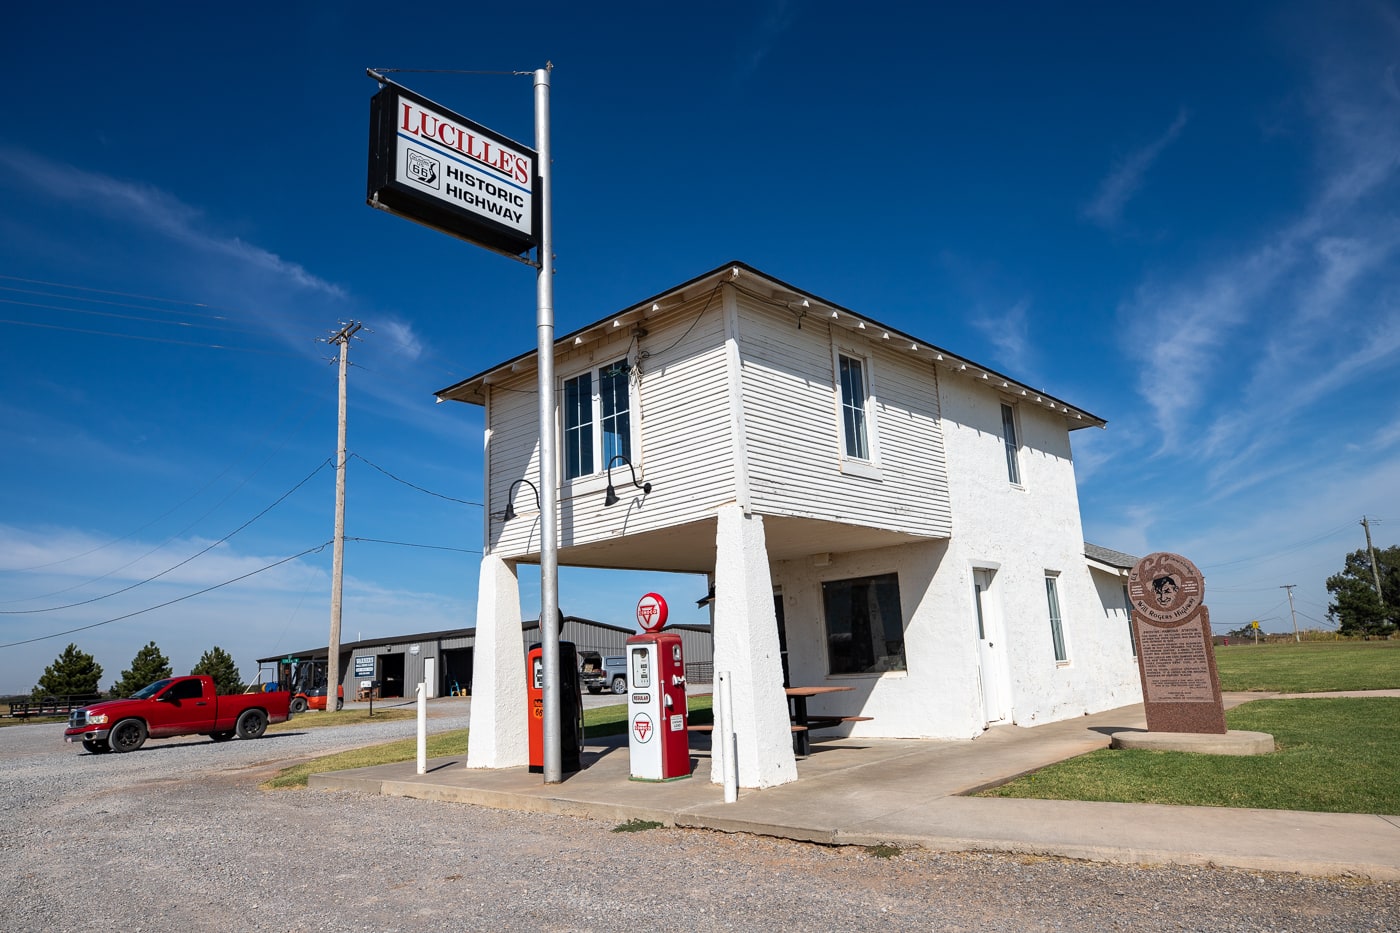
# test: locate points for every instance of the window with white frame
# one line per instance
(864, 625)
(855, 420)
(1057, 630)
(597, 419)
(1008, 437)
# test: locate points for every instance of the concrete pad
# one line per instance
(1233, 742)
(905, 792)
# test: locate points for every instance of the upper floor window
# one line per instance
(1008, 436)
(854, 397)
(597, 419)
(864, 625)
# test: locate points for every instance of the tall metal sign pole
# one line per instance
(439, 169)
(338, 545)
(549, 468)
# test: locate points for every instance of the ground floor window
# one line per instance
(864, 625)
(1057, 630)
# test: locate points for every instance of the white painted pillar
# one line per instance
(498, 717)
(746, 645)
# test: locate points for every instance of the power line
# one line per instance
(178, 599)
(197, 554)
(412, 486)
(307, 412)
(169, 340)
(432, 547)
(1285, 550)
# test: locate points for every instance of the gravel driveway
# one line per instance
(177, 836)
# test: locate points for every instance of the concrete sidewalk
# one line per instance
(908, 792)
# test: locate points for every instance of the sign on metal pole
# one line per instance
(439, 169)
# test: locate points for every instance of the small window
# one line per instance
(597, 420)
(864, 625)
(1008, 436)
(1057, 632)
(853, 407)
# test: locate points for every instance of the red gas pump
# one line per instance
(570, 708)
(656, 700)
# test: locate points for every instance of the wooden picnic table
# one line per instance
(797, 698)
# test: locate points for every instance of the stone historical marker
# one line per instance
(1180, 685)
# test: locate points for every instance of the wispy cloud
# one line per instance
(156, 210)
(1009, 333)
(1316, 302)
(775, 18)
(1126, 178)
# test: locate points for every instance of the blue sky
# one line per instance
(1184, 221)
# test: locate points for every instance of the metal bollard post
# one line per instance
(724, 740)
(422, 729)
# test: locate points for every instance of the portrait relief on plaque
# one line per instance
(1166, 588)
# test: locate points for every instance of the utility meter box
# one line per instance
(570, 708)
(656, 710)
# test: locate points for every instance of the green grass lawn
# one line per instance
(1310, 667)
(1334, 755)
(602, 721)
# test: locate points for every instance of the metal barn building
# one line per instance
(443, 660)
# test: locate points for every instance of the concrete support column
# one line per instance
(746, 645)
(498, 719)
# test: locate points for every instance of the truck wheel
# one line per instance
(96, 748)
(339, 704)
(220, 736)
(298, 705)
(251, 724)
(127, 735)
(619, 685)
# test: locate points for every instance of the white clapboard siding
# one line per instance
(681, 415)
(794, 443)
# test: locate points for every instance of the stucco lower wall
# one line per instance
(1019, 534)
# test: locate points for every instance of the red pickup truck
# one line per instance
(174, 706)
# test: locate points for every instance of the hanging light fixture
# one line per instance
(611, 497)
(510, 498)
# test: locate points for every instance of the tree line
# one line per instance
(77, 673)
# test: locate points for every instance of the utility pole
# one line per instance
(342, 337)
(1289, 588)
(1375, 572)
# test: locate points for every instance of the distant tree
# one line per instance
(1244, 631)
(1354, 606)
(218, 664)
(147, 667)
(73, 673)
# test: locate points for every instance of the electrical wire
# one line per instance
(306, 414)
(405, 482)
(168, 340)
(178, 599)
(431, 547)
(201, 553)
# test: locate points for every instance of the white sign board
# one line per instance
(439, 168)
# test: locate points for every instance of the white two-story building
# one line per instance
(873, 512)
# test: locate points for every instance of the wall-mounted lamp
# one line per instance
(611, 497)
(510, 498)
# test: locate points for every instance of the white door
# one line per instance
(430, 677)
(991, 656)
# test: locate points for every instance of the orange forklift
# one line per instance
(306, 679)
